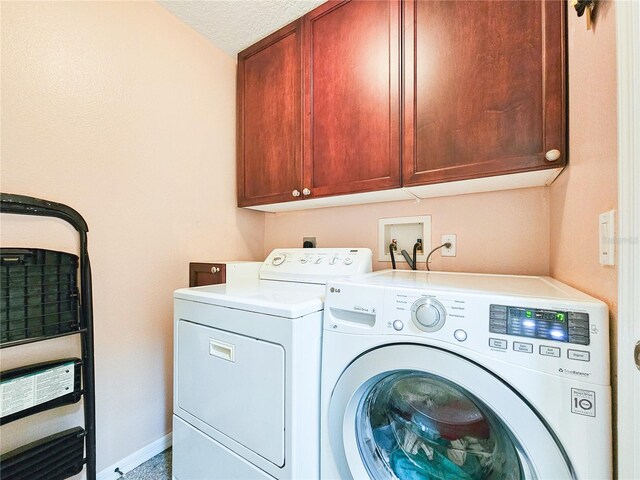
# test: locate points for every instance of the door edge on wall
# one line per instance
(628, 239)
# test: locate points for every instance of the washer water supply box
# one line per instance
(39, 295)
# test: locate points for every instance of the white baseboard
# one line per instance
(135, 459)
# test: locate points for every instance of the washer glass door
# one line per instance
(414, 412)
(413, 424)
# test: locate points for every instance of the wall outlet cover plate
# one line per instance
(451, 251)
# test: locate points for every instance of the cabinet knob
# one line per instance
(552, 155)
(306, 192)
(215, 270)
(295, 193)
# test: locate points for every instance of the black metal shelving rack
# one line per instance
(61, 444)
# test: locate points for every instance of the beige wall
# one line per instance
(589, 185)
(126, 114)
(498, 232)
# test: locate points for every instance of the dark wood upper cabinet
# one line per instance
(351, 55)
(269, 142)
(484, 88)
(371, 95)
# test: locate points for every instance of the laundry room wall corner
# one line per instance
(589, 184)
(126, 114)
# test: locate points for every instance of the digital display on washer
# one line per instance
(556, 325)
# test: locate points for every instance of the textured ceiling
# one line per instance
(233, 25)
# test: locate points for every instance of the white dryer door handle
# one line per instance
(223, 350)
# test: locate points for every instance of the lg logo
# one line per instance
(334, 290)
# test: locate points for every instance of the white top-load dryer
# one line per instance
(451, 375)
(247, 368)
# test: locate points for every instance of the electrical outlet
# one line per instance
(451, 251)
(310, 240)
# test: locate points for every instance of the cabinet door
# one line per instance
(201, 274)
(269, 166)
(352, 97)
(484, 88)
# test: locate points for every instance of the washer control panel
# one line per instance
(560, 336)
(544, 324)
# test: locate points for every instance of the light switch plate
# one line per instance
(607, 244)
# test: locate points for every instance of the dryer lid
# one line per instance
(281, 299)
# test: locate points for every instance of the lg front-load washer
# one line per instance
(464, 376)
(247, 368)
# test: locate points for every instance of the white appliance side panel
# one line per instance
(198, 457)
(235, 384)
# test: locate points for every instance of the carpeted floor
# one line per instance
(156, 468)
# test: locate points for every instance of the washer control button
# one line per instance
(460, 335)
(498, 325)
(498, 343)
(398, 325)
(348, 261)
(549, 351)
(578, 355)
(523, 347)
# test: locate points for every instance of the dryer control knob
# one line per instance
(428, 314)
(278, 260)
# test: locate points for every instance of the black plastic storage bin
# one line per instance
(39, 295)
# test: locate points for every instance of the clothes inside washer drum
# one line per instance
(439, 407)
(412, 425)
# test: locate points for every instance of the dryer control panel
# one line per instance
(315, 265)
